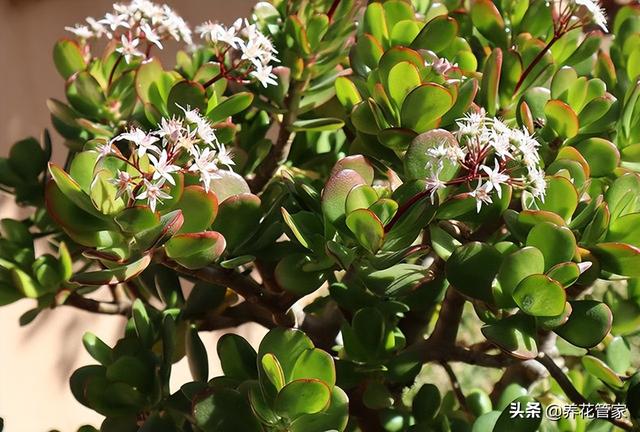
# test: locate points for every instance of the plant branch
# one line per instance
(113, 70)
(332, 9)
(455, 386)
(572, 393)
(95, 306)
(235, 316)
(449, 318)
(243, 285)
(279, 151)
(535, 61)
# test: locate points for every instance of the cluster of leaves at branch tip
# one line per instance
(388, 188)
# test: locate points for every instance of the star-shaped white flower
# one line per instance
(205, 164)
(124, 183)
(150, 35)
(82, 31)
(434, 183)
(537, 183)
(128, 48)
(205, 131)
(144, 142)
(171, 129)
(114, 21)
(104, 150)
(162, 167)
(191, 115)
(224, 157)
(481, 195)
(495, 178)
(443, 66)
(153, 193)
(264, 75)
(98, 29)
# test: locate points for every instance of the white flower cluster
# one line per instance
(256, 51)
(140, 20)
(179, 145)
(481, 139)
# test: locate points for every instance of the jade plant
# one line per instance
(432, 207)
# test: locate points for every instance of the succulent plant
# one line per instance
(389, 188)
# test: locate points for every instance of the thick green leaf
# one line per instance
(68, 58)
(113, 275)
(317, 364)
(225, 410)
(550, 323)
(565, 273)
(424, 106)
(336, 190)
(273, 370)
(417, 158)
(199, 209)
(367, 228)
(625, 230)
(103, 193)
(334, 417)
(539, 295)
(347, 93)
(623, 195)
(97, 349)
(602, 155)
(487, 19)
(238, 218)
(491, 81)
(197, 355)
(397, 280)
(618, 258)
(142, 322)
(426, 403)
(228, 184)
(318, 124)
(600, 370)
(186, 94)
(72, 190)
(230, 106)
(403, 78)
(437, 34)
(303, 396)
(471, 269)
(515, 335)
(148, 76)
(357, 163)
(291, 275)
(556, 243)
(516, 267)
(588, 324)
(237, 357)
(618, 355)
(196, 250)
(287, 345)
(561, 118)
(136, 219)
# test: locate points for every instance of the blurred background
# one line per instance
(36, 361)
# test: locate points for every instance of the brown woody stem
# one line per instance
(280, 150)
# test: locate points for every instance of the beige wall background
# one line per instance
(36, 361)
